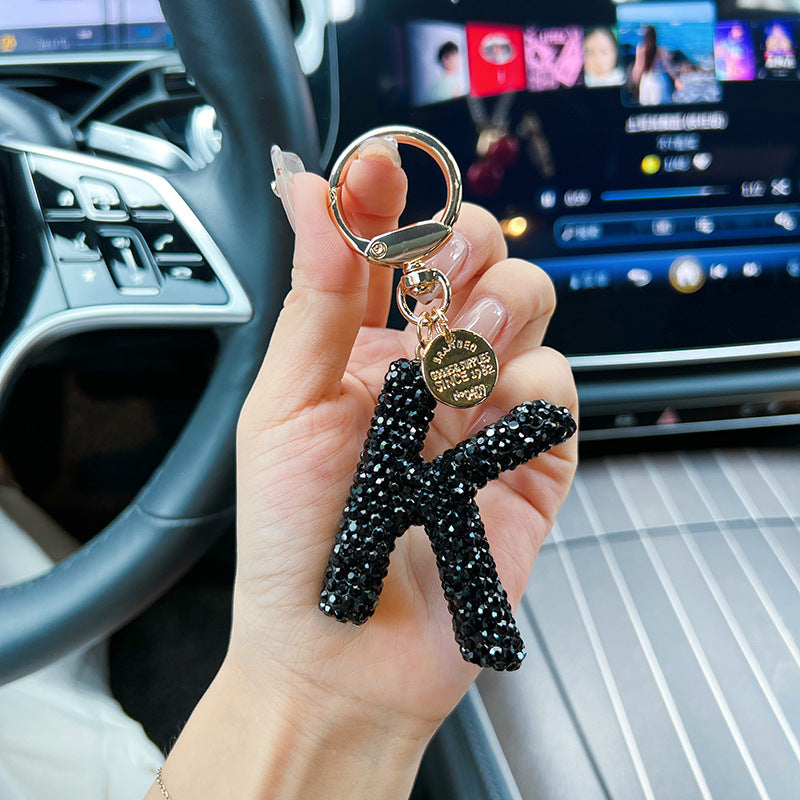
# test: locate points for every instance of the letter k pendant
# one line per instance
(394, 488)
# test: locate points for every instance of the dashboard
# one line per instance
(38, 27)
(644, 154)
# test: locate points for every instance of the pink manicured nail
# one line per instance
(485, 417)
(487, 317)
(380, 147)
(447, 260)
(451, 257)
(285, 165)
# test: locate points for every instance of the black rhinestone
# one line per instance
(394, 488)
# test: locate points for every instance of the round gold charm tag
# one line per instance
(461, 372)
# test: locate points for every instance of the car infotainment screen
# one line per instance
(63, 26)
(644, 154)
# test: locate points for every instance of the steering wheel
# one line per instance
(126, 247)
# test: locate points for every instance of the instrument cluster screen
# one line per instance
(29, 27)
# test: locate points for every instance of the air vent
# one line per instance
(661, 402)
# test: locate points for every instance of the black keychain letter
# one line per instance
(394, 488)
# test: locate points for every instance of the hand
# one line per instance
(393, 680)
(302, 430)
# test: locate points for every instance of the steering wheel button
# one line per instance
(73, 243)
(191, 283)
(57, 200)
(88, 284)
(101, 200)
(66, 199)
(139, 291)
(64, 215)
(196, 272)
(153, 216)
(179, 258)
(143, 201)
(102, 196)
(181, 272)
(128, 260)
(165, 240)
(162, 242)
(139, 195)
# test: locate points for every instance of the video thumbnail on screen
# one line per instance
(667, 50)
(438, 60)
(496, 59)
(778, 50)
(601, 59)
(553, 57)
(733, 51)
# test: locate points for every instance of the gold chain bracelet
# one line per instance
(160, 782)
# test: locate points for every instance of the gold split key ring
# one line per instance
(459, 366)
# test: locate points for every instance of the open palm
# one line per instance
(302, 431)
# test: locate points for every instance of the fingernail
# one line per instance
(485, 417)
(380, 147)
(285, 165)
(487, 318)
(450, 258)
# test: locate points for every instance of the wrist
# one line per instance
(282, 741)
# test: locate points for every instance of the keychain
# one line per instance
(394, 487)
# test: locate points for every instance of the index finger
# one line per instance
(373, 197)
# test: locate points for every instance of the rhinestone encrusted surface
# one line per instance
(394, 488)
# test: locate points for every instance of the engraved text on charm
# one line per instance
(460, 369)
